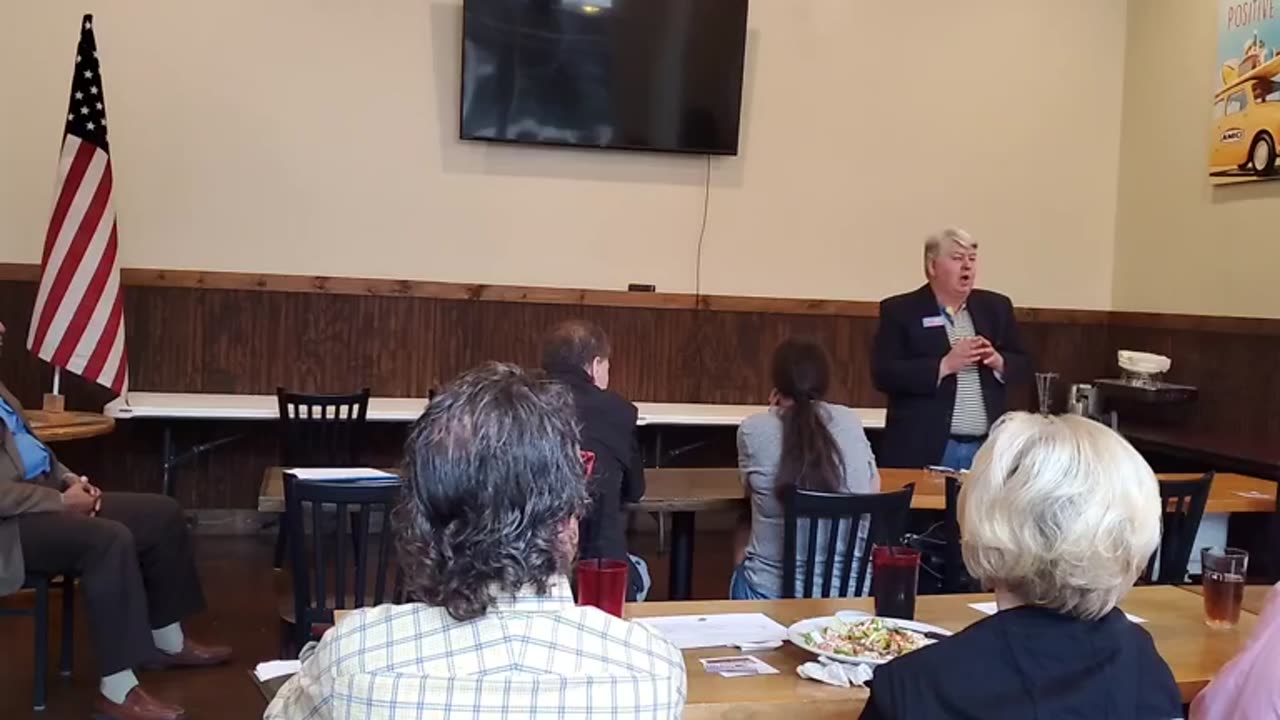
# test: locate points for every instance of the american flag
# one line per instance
(78, 321)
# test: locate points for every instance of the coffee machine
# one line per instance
(1082, 399)
(1086, 400)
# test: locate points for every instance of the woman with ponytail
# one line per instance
(801, 441)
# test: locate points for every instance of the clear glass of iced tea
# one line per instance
(1224, 571)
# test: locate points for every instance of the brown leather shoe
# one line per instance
(195, 654)
(137, 705)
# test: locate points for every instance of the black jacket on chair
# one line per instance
(904, 365)
(1030, 662)
(608, 427)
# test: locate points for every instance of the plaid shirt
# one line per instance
(528, 657)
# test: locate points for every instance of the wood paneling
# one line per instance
(219, 332)
(1235, 372)
(318, 285)
(656, 355)
(1234, 423)
(736, 349)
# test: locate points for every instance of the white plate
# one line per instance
(796, 634)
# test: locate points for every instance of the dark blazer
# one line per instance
(19, 497)
(608, 426)
(1029, 662)
(904, 366)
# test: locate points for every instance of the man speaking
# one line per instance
(943, 355)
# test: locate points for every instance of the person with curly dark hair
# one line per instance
(494, 486)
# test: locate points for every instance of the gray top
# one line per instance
(759, 450)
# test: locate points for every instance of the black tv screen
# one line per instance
(631, 74)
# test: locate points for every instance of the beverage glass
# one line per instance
(895, 573)
(1223, 572)
(603, 584)
(1044, 390)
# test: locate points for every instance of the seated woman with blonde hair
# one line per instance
(1058, 518)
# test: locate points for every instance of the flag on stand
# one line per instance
(78, 321)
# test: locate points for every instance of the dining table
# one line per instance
(684, 492)
(60, 426)
(1174, 616)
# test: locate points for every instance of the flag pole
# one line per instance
(54, 402)
(85, 325)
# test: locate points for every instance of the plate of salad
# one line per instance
(856, 638)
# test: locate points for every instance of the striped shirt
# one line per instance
(529, 657)
(969, 417)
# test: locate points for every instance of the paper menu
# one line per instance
(989, 608)
(701, 631)
(272, 669)
(738, 666)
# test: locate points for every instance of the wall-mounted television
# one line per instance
(661, 75)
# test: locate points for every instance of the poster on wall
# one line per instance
(1246, 103)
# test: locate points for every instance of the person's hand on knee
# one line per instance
(78, 499)
(94, 491)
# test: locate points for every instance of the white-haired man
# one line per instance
(944, 354)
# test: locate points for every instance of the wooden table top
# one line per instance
(697, 489)
(1175, 619)
(704, 489)
(219, 406)
(52, 427)
(1254, 596)
(1193, 651)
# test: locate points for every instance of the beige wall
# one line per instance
(1182, 246)
(321, 137)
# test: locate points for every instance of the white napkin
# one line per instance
(834, 672)
(272, 669)
(747, 646)
(1142, 362)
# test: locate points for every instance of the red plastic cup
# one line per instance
(895, 574)
(603, 584)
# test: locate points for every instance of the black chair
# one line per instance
(319, 431)
(884, 515)
(956, 578)
(1183, 502)
(323, 578)
(39, 611)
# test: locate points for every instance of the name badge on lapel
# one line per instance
(933, 321)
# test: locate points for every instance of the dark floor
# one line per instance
(240, 585)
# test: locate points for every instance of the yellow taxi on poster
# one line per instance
(1246, 125)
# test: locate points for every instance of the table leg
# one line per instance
(660, 517)
(167, 462)
(171, 460)
(681, 576)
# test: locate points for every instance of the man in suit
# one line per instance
(944, 355)
(576, 353)
(131, 552)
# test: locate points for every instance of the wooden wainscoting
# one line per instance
(237, 333)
